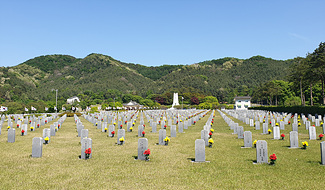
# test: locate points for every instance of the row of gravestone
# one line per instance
(261, 145)
(37, 142)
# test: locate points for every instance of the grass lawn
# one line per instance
(170, 167)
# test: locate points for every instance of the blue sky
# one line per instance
(160, 32)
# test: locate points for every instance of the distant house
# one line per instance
(72, 100)
(132, 105)
(242, 102)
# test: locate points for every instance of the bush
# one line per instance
(70, 114)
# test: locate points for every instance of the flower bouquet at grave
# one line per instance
(321, 136)
(17, 125)
(143, 133)
(273, 159)
(22, 132)
(56, 129)
(269, 131)
(114, 123)
(304, 144)
(159, 122)
(121, 140)
(321, 123)
(211, 130)
(46, 140)
(105, 130)
(8, 127)
(59, 126)
(31, 128)
(276, 124)
(45, 121)
(131, 128)
(113, 133)
(147, 154)
(254, 143)
(282, 136)
(96, 124)
(125, 122)
(166, 140)
(194, 122)
(133, 124)
(121, 126)
(37, 125)
(29, 121)
(165, 126)
(210, 134)
(87, 152)
(210, 142)
(299, 124)
(289, 122)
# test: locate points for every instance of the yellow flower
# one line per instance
(281, 120)
(180, 120)
(211, 141)
(131, 128)
(8, 127)
(299, 124)
(46, 138)
(305, 143)
(270, 131)
(276, 124)
(321, 123)
(31, 127)
(255, 142)
(212, 130)
(105, 128)
(114, 123)
(121, 139)
(167, 139)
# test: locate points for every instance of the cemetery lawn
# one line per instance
(170, 167)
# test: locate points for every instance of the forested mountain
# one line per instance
(223, 78)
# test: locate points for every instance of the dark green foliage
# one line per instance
(320, 110)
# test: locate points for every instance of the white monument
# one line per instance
(175, 100)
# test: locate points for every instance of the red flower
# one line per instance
(270, 122)
(17, 125)
(37, 125)
(23, 131)
(144, 125)
(282, 135)
(143, 132)
(147, 152)
(113, 132)
(59, 125)
(194, 122)
(125, 122)
(273, 157)
(121, 126)
(289, 122)
(212, 121)
(88, 151)
(30, 121)
(165, 126)
(321, 135)
(210, 133)
(45, 121)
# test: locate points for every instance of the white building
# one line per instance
(242, 102)
(72, 100)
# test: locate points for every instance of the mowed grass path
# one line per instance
(170, 167)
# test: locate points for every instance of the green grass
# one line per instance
(170, 167)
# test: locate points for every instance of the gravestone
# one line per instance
(205, 137)
(322, 152)
(261, 151)
(247, 139)
(180, 127)
(154, 127)
(52, 129)
(84, 134)
(312, 133)
(173, 131)
(142, 146)
(11, 135)
(80, 126)
(104, 125)
(307, 125)
(46, 133)
(199, 150)
(111, 128)
(185, 125)
(24, 127)
(317, 123)
(257, 125)
(295, 127)
(323, 127)
(265, 128)
(140, 129)
(276, 132)
(120, 134)
(99, 124)
(294, 139)
(162, 136)
(282, 127)
(251, 123)
(85, 144)
(129, 125)
(37, 146)
(240, 132)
